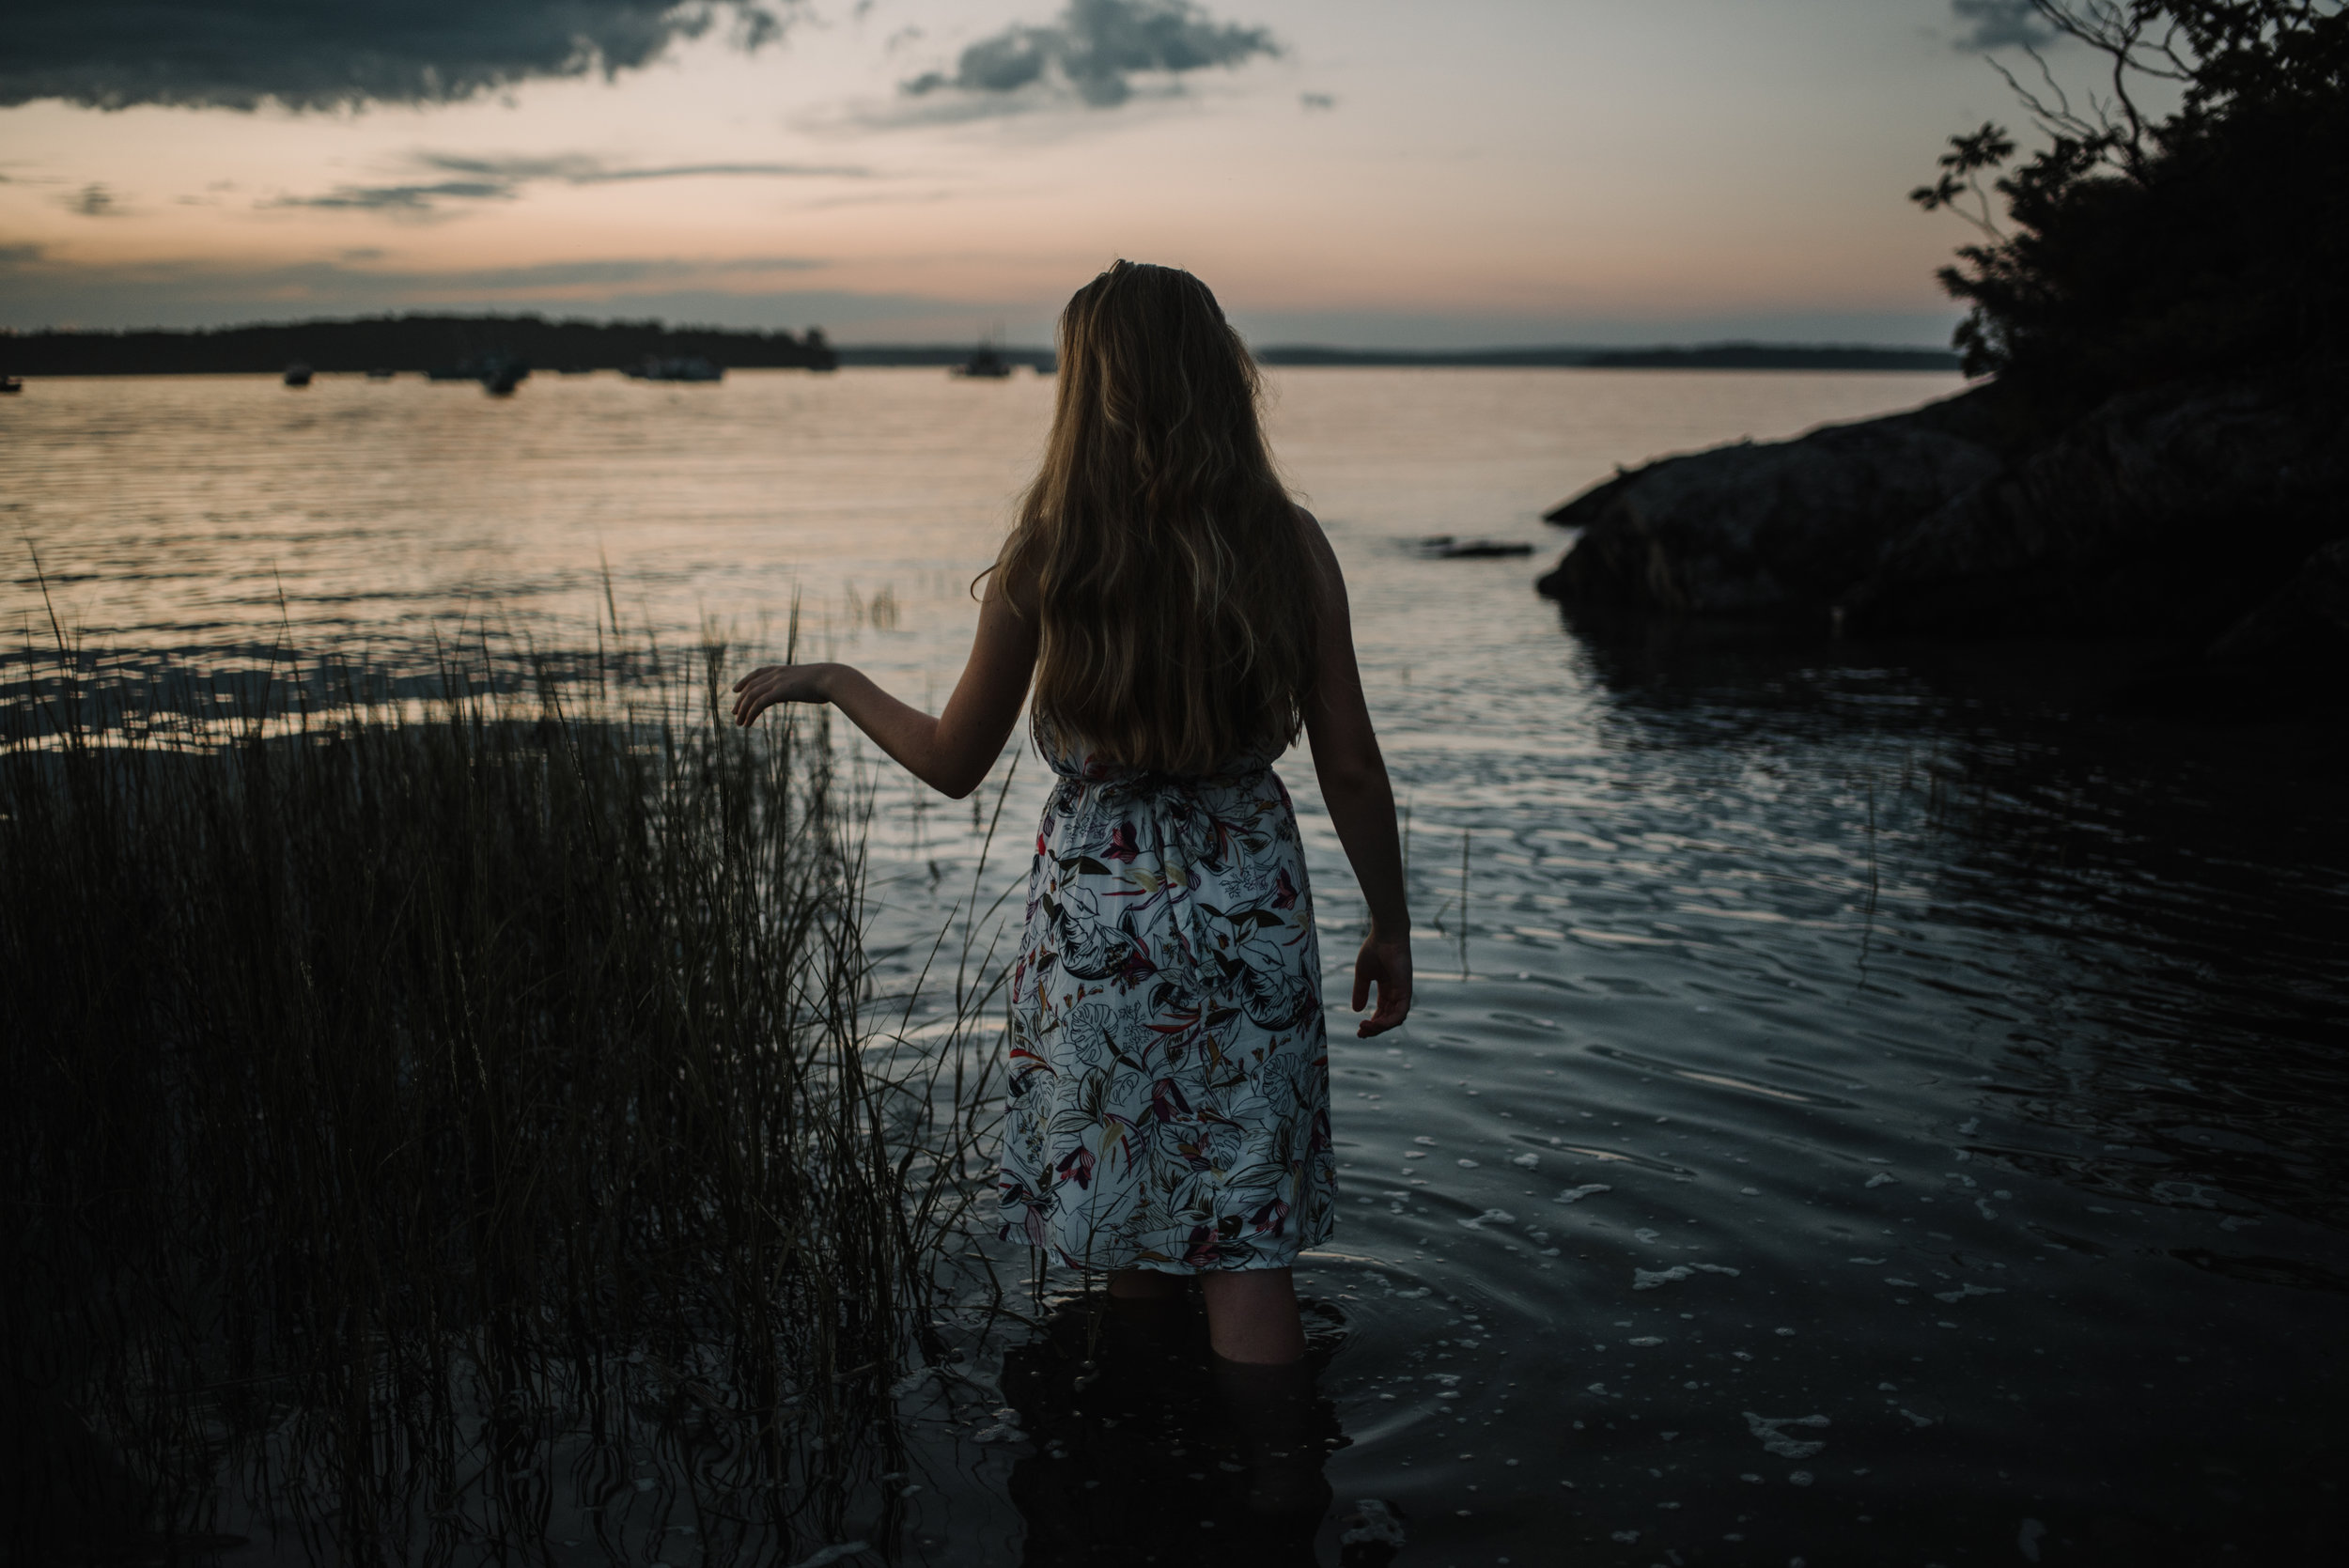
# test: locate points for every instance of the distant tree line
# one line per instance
(932, 355)
(2134, 248)
(1708, 356)
(1774, 356)
(408, 343)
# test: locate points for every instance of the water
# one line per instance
(1817, 1044)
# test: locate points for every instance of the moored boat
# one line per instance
(684, 368)
(500, 373)
(11, 384)
(298, 375)
(984, 366)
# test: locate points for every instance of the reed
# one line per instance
(439, 1100)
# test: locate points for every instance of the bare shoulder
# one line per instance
(1009, 584)
(1309, 527)
(1330, 581)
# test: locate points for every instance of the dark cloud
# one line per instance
(401, 199)
(580, 169)
(702, 171)
(20, 255)
(324, 54)
(2000, 24)
(93, 201)
(1096, 47)
(503, 179)
(1316, 101)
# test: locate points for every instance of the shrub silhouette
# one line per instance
(2136, 248)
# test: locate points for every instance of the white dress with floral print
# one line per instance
(1170, 1074)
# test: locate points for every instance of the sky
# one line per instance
(1362, 173)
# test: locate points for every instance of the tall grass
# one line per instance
(429, 1098)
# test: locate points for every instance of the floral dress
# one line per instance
(1170, 1072)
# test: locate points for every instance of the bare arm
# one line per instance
(951, 753)
(1361, 801)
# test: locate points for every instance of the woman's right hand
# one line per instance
(1385, 963)
(769, 684)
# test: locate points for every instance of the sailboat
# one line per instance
(984, 366)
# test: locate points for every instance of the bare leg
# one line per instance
(1271, 1406)
(1251, 1315)
(1143, 1284)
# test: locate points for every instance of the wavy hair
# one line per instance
(1157, 547)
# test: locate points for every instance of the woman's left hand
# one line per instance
(1384, 963)
(769, 684)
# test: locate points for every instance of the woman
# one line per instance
(1181, 620)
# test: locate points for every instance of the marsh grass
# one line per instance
(439, 1101)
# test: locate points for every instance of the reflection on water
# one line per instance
(1862, 1106)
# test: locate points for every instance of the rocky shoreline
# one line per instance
(2214, 514)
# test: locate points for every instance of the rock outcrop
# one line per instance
(2179, 512)
(2304, 625)
(1773, 528)
(2169, 513)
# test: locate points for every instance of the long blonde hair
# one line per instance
(1157, 547)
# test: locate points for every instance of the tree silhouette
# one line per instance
(2136, 247)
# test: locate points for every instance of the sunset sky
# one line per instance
(1475, 172)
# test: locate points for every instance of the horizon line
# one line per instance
(1550, 346)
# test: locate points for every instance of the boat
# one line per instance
(985, 366)
(298, 375)
(684, 368)
(500, 373)
(11, 384)
(1443, 547)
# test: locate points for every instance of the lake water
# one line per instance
(1862, 1106)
